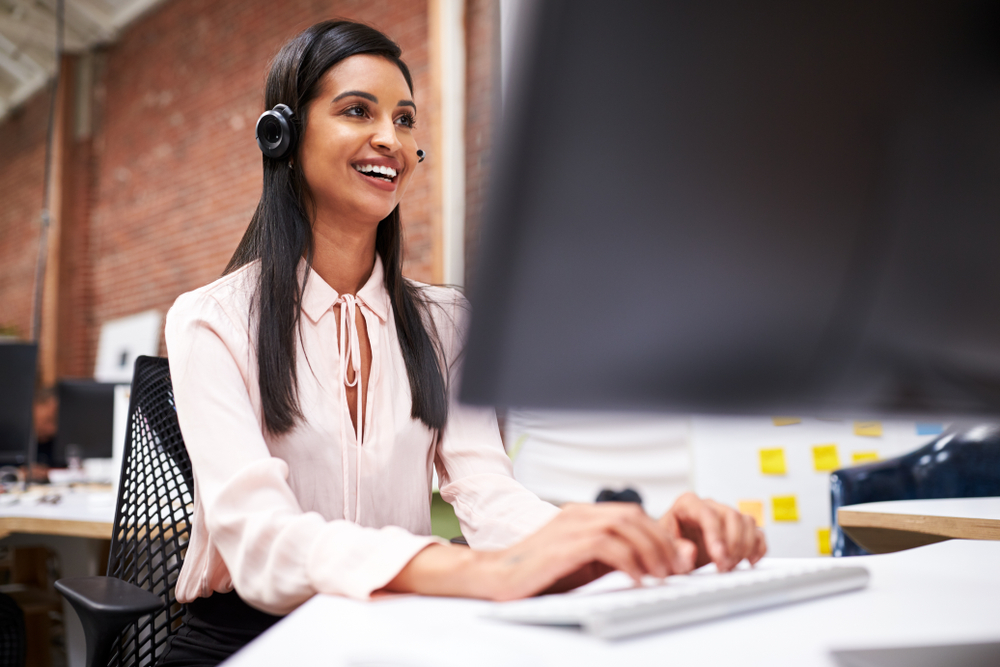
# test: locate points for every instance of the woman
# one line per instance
(312, 386)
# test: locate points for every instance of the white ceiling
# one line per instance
(28, 39)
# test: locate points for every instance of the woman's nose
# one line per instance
(385, 136)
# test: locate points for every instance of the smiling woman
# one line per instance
(312, 384)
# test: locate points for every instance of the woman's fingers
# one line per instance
(690, 509)
(649, 548)
(726, 535)
(652, 546)
(585, 539)
(738, 533)
(760, 545)
(619, 554)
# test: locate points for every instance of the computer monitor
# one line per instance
(745, 207)
(17, 388)
(86, 420)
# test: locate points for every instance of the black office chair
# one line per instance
(962, 463)
(151, 532)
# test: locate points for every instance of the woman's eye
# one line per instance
(406, 120)
(357, 111)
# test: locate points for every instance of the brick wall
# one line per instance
(482, 26)
(164, 188)
(22, 165)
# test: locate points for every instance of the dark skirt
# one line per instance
(214, 628)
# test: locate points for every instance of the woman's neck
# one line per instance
(343, 257)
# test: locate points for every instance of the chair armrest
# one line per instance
(105, 606)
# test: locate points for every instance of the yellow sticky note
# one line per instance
(772, 461)
(823, 541)
(868, 429)
(752, 508)
(785, 421)
(825, 457)
(864, 457)
(785, 508)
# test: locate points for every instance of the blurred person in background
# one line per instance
(45, 412)
(313, 387)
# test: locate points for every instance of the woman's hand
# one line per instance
(582, 543)
(721, 534)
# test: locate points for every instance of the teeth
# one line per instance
(387, 172)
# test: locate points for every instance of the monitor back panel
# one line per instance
(746, 207)
(86, 419)
(17, 387)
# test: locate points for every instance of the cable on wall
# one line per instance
(43, 242)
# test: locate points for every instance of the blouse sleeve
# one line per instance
(277, 555)
(474, 471)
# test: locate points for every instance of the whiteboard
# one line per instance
(123, 340)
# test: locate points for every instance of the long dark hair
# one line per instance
(280, 235)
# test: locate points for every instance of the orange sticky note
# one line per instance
(772, 461)
(864, 457)
(752, 508)
(785, 508)
(823, 541)
(868, 429)
(785, 421)
(825, 457)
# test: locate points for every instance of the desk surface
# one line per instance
(79, 512)
(902, 524)
(938, 594)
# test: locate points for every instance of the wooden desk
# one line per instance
(79, 512)
(76, 528)
(903, 524)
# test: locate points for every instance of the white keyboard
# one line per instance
(681, 599)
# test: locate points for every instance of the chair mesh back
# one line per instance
(153, 516)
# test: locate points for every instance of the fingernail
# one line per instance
(689, 553)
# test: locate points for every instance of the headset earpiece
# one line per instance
(276, 133)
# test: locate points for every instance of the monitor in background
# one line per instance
(86, 420)
(17, 388)
(746, 208)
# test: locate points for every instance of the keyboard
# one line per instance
(680, 599)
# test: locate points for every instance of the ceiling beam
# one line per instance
(28, 40)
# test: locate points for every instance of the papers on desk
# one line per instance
(94, 471)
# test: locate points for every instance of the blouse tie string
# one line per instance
(350, 355)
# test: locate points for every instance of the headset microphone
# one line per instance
(276, 133)
(421, 155)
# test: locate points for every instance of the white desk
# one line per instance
(943, 593)
(902, 524)
(74, 528)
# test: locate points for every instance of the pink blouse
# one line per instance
(325, 508)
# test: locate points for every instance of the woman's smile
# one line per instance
(380, 172)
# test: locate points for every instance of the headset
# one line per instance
(276, 133)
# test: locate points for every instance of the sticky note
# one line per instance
(863, 457)
(785, 421)
(772, 461)
(752, 508)
(825, 457)
(868, 429)
(929, 429)
(785, 508)
(823, 541)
